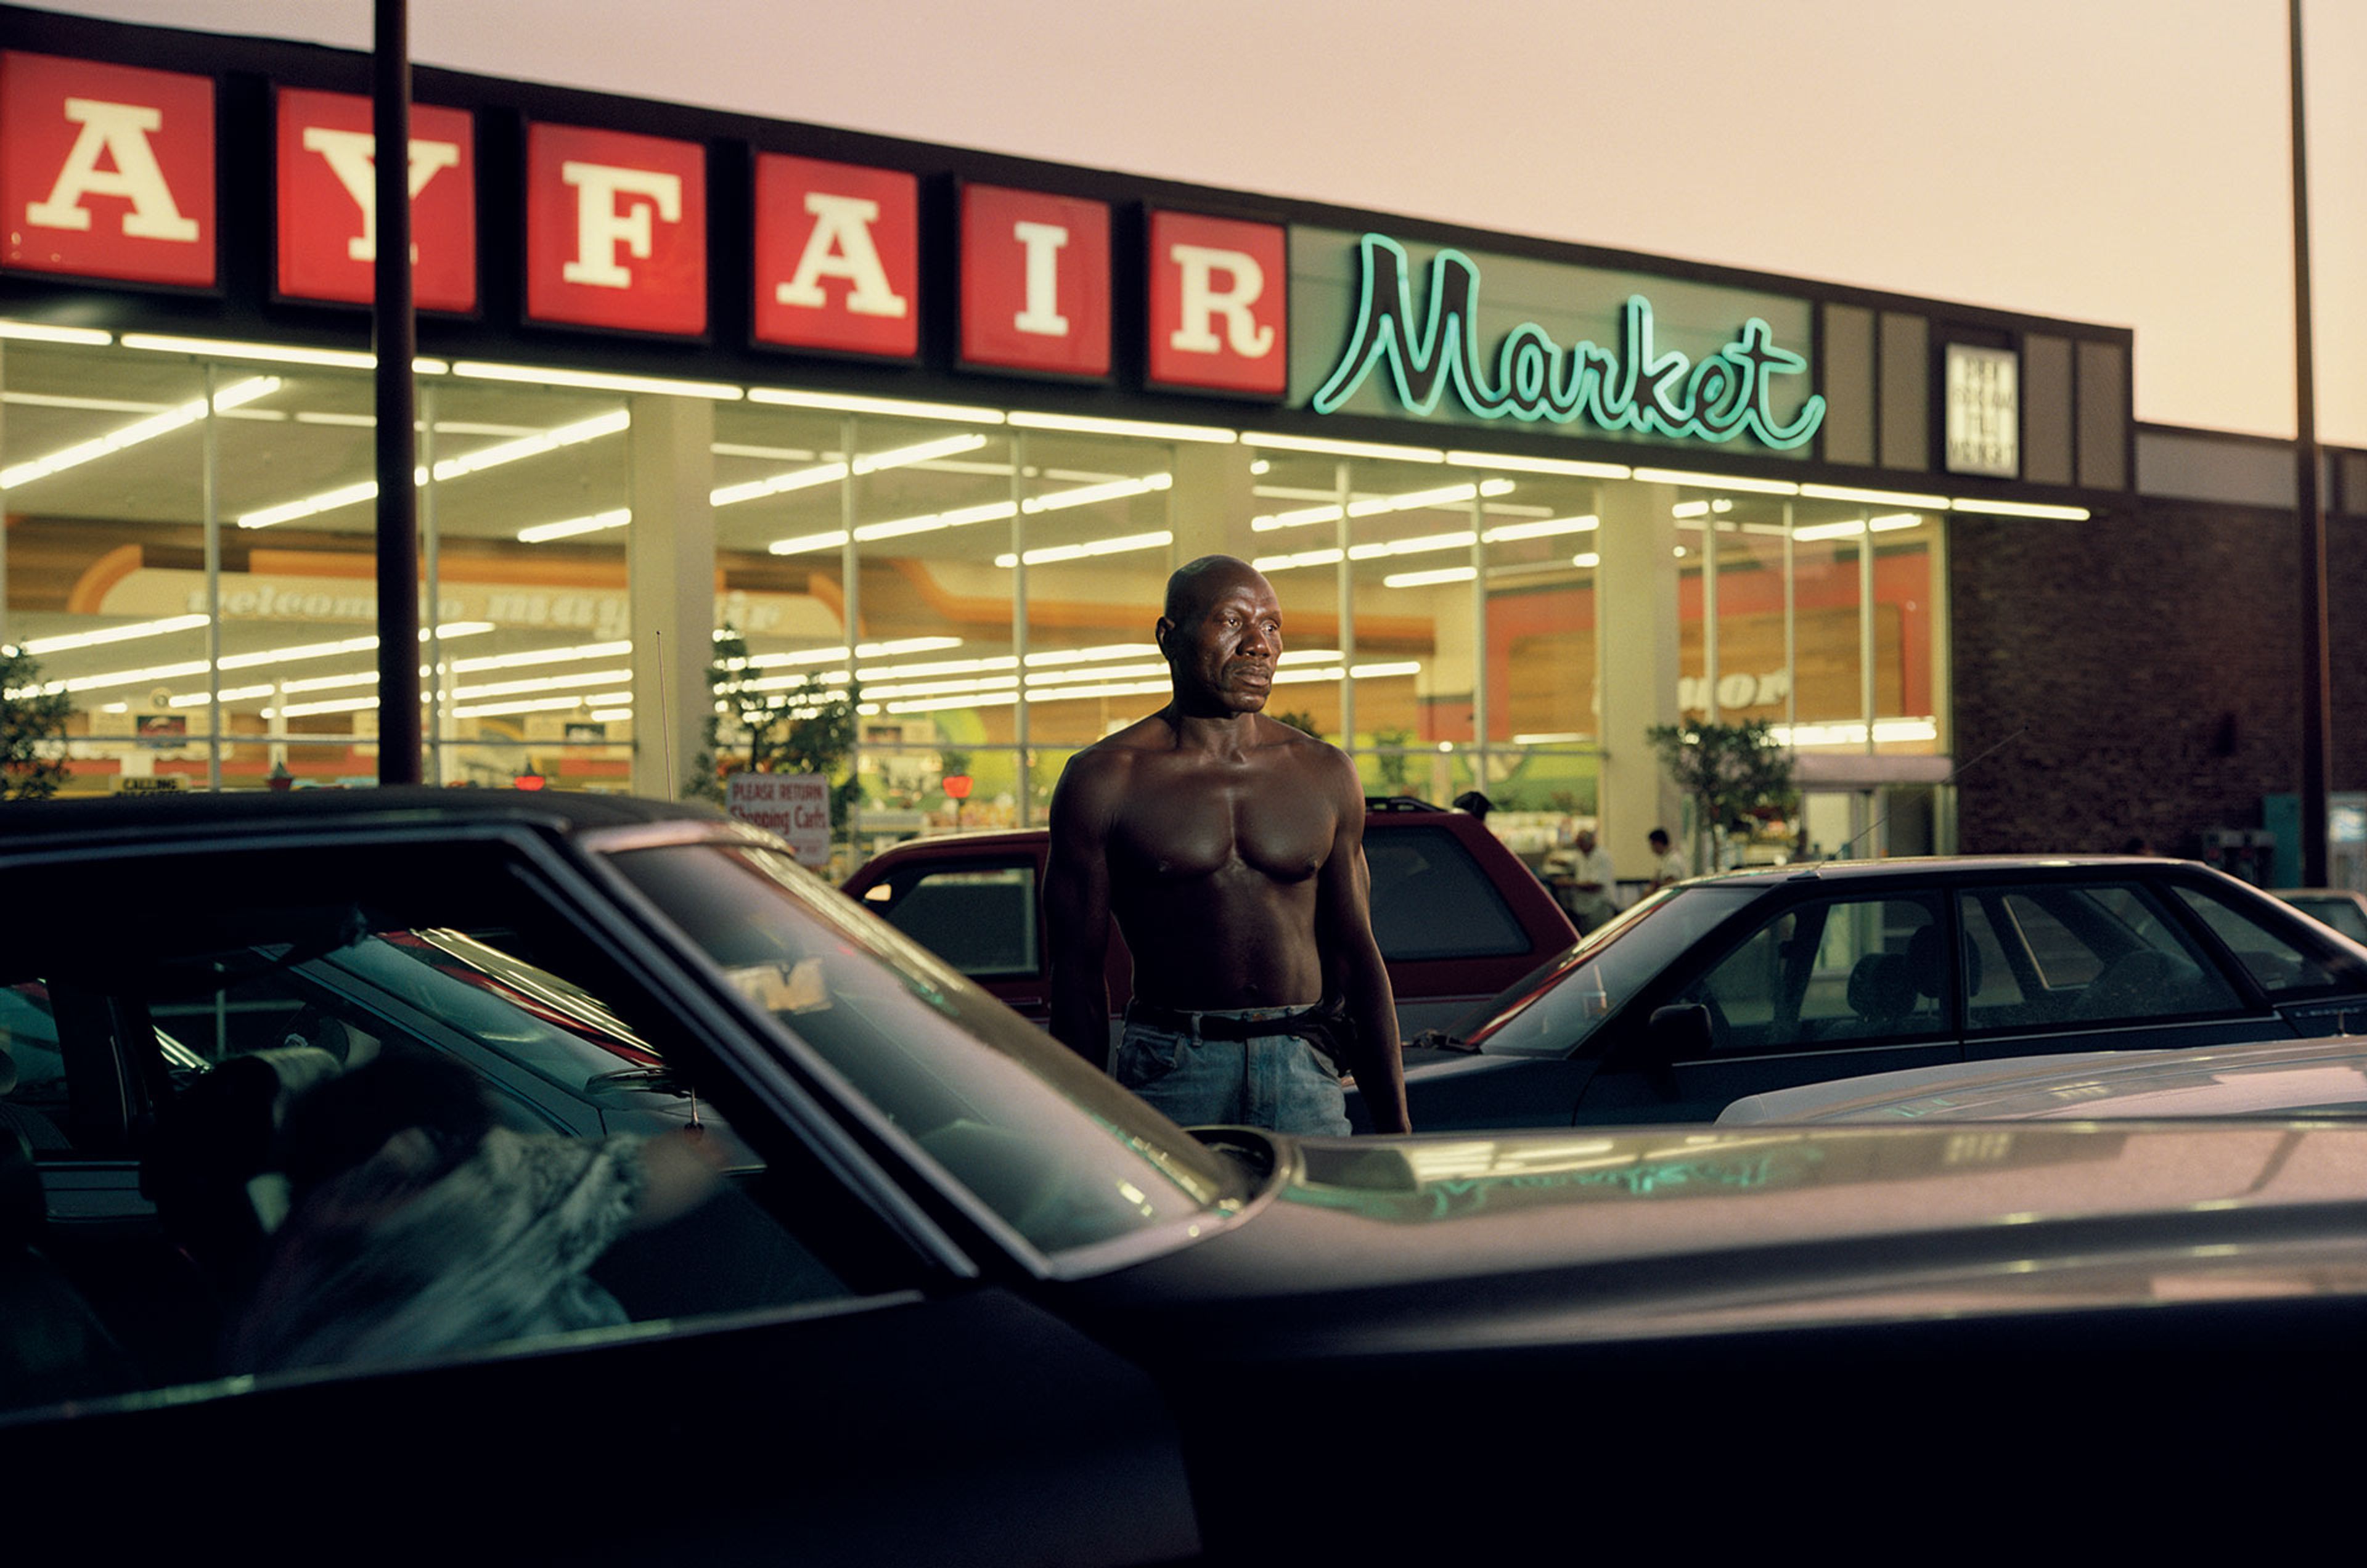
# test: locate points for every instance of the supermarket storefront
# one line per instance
(936, 425)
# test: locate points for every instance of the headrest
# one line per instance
(1881, 987)
(221, 1129)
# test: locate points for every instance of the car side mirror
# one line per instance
(1679, 1031)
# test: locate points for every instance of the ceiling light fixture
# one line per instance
(1380, 506)
(1571, 466)
(898, 408)
(39, 331)
(65, 640)
(272, 353)
(1874, 497)
(141, 431)
(1326, 447)
(598, 381)
(1082, 424)
(1122, 545)
(611, 423)
(2021, 509)
(1716, 481)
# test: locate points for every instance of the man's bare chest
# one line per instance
(1189, 827)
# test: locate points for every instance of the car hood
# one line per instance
(2282, 1077)
(1388, 1246)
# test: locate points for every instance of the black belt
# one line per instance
(1324, 1026)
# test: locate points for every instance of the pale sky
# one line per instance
(2124, 161)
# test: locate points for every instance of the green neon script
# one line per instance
(1637, 388)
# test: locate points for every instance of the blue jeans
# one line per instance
(1270, 1080)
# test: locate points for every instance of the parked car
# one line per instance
(1731, 986)
(2280, 1078)
(1458, 916)
(969, 1301)
(2339, 906)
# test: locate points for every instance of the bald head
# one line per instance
(1197, 583)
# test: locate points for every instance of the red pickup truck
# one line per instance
(1458, 916)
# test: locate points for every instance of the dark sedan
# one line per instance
(1731, 986)
(967, 1301)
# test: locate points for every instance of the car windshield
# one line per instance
(1552, 1010)
(1055, 1148)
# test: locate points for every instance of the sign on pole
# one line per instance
(795, 805)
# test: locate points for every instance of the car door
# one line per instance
(812, 1363)
(1826, 988)
(2095, 964)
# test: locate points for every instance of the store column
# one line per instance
(1635, 660)
(669, 585)
(1210, 503)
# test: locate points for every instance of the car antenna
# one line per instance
(1959, 772)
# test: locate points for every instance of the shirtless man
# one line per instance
(1229, 847)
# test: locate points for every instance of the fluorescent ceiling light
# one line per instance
(598, 425)
(987, 511)
(620, 649)
(611, 715)
(1874, 497)
(568, 529)
(900, 407)
(138, 629)
(129, 435)
(1546, 528)
(1324, 444)
(1716, 481)
(544, 705)
(1090, 548)
(597, 380)
(2021, 509)
(37, 331)
(1114, 689)
(545, 683)
(1572, 466)
(1430, 577)
(1852, 528)
(1056, 680)
(1090, 655)
(1588, 558)
(829, 473)
(1086, 425)
(272, 353)
(228, 695)
(1554, 737)
(1379, 505)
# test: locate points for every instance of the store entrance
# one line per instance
(1872, 822)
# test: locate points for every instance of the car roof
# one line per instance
(1031, 839)
(1909, 868)
(117, 816)
(2204, 1081)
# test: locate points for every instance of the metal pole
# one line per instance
(396, 340)
(213, 585)
(2316, 704)
(1019, 729)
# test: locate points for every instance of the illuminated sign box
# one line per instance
(1983, 392)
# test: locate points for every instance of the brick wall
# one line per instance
(2151, 662)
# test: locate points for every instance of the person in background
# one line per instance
(1582, 879)
(1669, 864)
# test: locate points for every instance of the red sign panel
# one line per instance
(328, 202)
(616, 230)
(1035, 282)
(106, 171)
(838, 256)
(1219, 304)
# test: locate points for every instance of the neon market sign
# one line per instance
(1634, 386)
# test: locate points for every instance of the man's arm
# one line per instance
(1076, 908)
(1351, 959)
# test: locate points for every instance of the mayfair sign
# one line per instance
(1635, 388)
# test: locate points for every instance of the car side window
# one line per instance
(983, 921)
(2046, 956)
(1430, 899)
(2281, 966)
(364, 1138)
(1830, 972)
